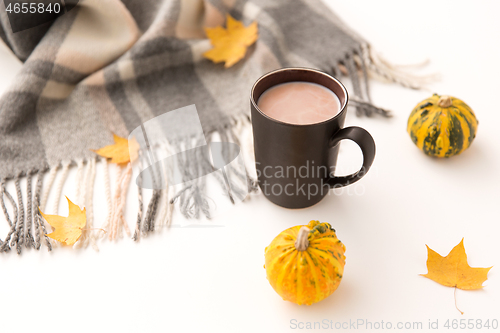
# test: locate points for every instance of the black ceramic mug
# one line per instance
(296, 163)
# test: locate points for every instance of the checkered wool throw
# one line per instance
(108, 66)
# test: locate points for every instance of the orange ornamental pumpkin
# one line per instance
(304, 264)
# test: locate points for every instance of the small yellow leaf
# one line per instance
(230, 44)
(120, 152)
(67, 229)
(453, 270)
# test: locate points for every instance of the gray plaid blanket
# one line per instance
(107, 66)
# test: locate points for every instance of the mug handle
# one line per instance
(367, 145)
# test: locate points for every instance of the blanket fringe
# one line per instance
(59, 187)
(149, 225)
(395, 73)
(360, 96)
(137, 231)
(18, 236)
(89, 199)
(85, 198)
(192, 200)
(356, 66)
(28, 229)
(165, 215)
(40, 228)
(145, 222)
(6, 243)
(29, 241)
(107, 193)
(117, 222)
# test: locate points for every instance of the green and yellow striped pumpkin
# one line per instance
(304, 264)
(442, 126)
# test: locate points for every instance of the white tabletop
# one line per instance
(213, 280)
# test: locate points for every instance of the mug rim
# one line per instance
(343, 107)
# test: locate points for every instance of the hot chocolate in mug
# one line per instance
(298, 119)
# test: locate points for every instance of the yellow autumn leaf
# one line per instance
(453, 270)
(120, 152)
(230, 44)
(67, 229)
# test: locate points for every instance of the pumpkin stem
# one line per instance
(445, 101)
(302, 242)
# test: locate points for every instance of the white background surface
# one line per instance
(213, 280)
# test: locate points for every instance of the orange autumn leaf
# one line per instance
(230, 44)
(453, 270)
(67, 229)
(120, 152)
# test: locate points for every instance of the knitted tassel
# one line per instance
(117, 222)
(85, 199)
(18, 237)
(5, 246)
(107, 193)
(29, 241)
(89, 199)
(137, 231)
(59, 187)
(40, 229)
(164, 217)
